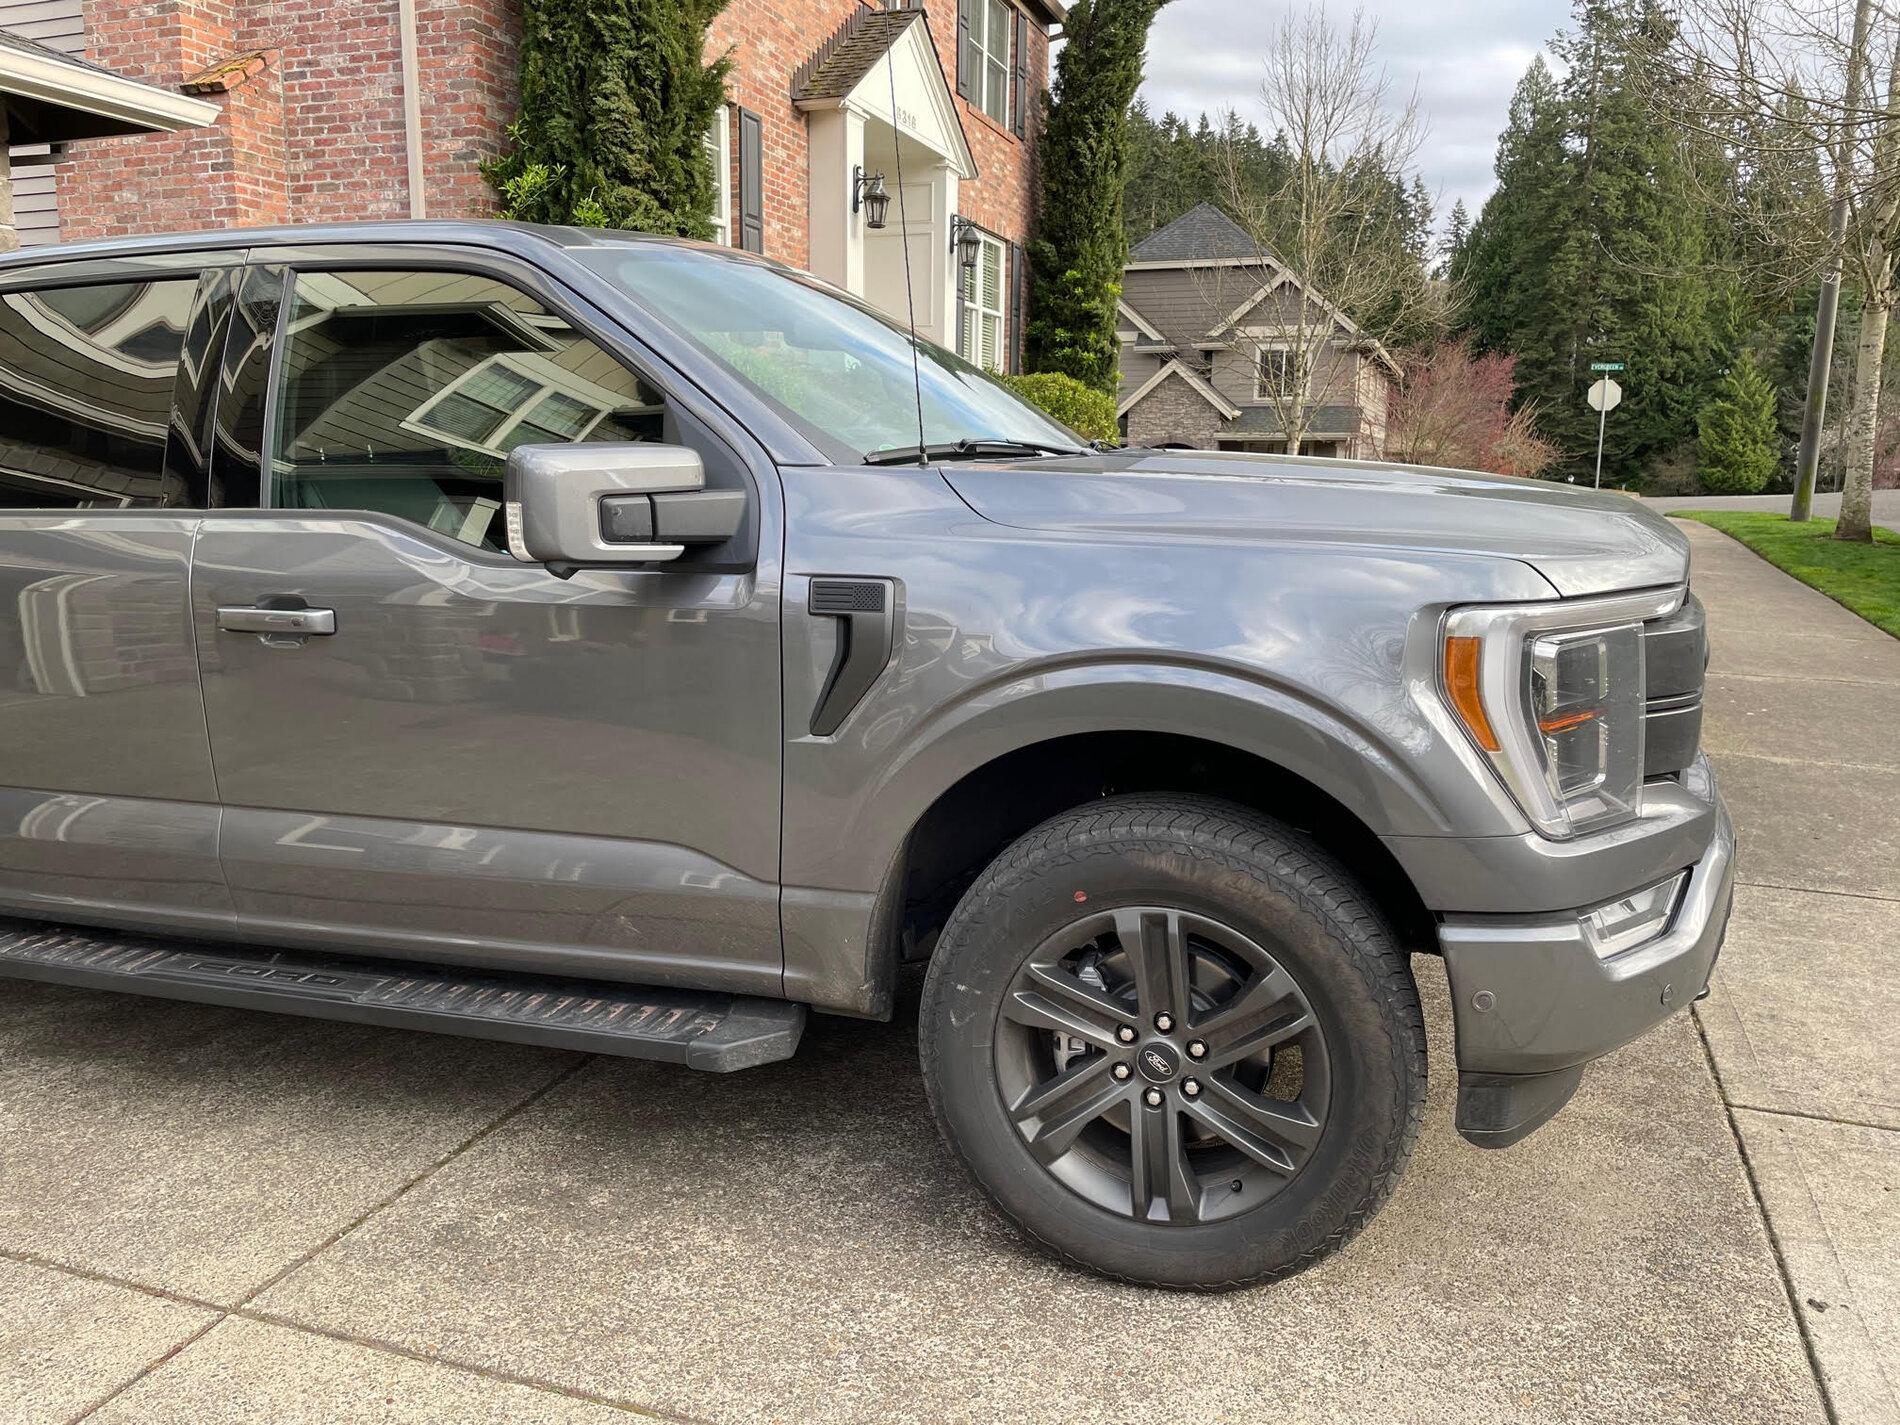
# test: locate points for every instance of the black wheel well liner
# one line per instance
(972, 821)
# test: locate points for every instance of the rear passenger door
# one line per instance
(108, 810)
(482, 762)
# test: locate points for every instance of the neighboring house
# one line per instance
(1218, 341)
(386, 108)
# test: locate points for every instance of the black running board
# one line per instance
(715, 1032)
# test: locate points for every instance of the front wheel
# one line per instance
(1174, 1043)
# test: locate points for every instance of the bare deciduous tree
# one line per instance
(1336, 275)
(1805, 97)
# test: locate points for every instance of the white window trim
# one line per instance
(525, 367)
(981, 41)
(1297, 373)
(1000, 357)
(719, 145)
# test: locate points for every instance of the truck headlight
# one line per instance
(1552, 695)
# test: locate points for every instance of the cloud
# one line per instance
(1205, 56)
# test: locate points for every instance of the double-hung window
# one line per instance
(982, 335)
(984, 60)
(719, 154)
(1279, 373)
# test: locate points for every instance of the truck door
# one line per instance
(108, 809)
(445, 753)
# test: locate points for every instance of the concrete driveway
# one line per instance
(210, 1216)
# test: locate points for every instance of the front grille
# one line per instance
(1675, 658)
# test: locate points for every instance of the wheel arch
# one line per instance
(972, 820)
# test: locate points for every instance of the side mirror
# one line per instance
(569, 506)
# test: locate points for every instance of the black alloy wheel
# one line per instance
(1175, 1043)
(1162, 1065)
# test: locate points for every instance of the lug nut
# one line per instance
(1164, 1022)
(1120, 1071)
(1127, 1034)
(1190, 1088)
(1153, 1098)
(1196, 1049)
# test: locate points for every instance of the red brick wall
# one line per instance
(318, 135)
(468, 53)
(231, 173)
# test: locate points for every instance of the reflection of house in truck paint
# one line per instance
(1214, 336)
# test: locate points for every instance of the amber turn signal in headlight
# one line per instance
(1552, 695)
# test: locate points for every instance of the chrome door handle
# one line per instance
(249, 618)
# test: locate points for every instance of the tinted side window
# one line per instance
(86, 379)
(403, 392)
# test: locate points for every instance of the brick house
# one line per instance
(345, 109)
(1219, 342)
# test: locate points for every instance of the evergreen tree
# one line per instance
(1078, 255)
(616, 100)
(1457, 234)
(1597, 245)
(1736, 437)
(1503, 268)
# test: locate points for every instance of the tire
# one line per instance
(1255, 1161)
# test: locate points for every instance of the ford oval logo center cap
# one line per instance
(1159, 1062)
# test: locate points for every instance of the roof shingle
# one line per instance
(1202, 234)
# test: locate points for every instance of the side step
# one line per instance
(715, 1032)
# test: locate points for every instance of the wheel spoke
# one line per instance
(1064, 1004)
(1161, 1180)
(1267, 1012)
(1052, 1115)
(1275, 1135)
(1156, 945)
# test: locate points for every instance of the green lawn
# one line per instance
(1864, 577)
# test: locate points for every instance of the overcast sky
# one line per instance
(1204, 55)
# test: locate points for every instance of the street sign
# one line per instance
(1606, 366)
(1603, 398)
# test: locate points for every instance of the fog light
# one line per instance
(1643, 915)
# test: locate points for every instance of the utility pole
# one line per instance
(1821, 358)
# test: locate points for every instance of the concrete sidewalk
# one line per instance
(1803, 706)
(212, 1216)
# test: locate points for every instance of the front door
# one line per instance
(467, 758)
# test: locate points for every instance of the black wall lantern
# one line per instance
(966, 239)
(867, 192)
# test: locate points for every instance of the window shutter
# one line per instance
(1019, 77)
(966, 65)
(1018, 291)
(751, 182)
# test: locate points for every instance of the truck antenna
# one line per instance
(903, 238)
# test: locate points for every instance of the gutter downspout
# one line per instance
(411, 106)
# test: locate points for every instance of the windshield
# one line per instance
(838, 369)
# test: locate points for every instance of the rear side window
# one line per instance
(86, 377)
(403, 392)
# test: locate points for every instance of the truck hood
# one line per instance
(1582, 542)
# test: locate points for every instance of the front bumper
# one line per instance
(1533, 1003)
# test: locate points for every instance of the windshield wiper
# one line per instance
(981, 449)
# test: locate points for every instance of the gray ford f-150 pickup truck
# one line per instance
(633, 645)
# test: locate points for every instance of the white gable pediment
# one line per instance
(906, 89)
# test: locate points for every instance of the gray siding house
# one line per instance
(1219, 341)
